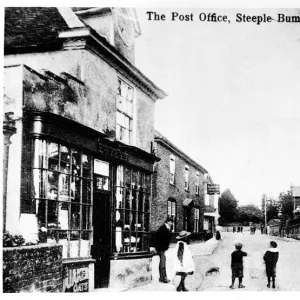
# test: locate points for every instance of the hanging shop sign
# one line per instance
(213, 189)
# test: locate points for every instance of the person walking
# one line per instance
(241, 229)
(271, 258)
(237, 266)
(233, 229)
(262, 228)
(162, 242)
(183, 261)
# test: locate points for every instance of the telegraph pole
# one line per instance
(265, 212)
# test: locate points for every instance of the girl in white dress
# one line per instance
(183, 260)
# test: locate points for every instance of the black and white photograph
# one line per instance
(151, 147)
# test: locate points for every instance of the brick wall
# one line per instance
(32, 269)
(163, 190)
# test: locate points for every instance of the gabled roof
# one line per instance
(158, 137)
(32, 27)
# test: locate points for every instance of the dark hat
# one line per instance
(182, 234)
(273, 244)
(169, 219)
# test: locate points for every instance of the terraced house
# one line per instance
(180, 192)
(78, 129)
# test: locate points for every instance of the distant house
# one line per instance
(179, 191)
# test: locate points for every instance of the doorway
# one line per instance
(101, 244)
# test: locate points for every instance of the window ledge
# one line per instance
(130, 255)
(78, 260)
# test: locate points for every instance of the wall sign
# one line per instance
(76, 279)
(112, 153)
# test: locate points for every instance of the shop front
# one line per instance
(90, 195)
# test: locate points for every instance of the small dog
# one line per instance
(213, 270)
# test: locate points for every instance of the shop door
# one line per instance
(101, 246)
(187, 218)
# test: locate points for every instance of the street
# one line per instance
(288, 271)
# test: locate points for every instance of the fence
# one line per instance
(292, 231)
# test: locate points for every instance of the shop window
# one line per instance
(124, 112)
(186, 177)
(171, 205)
(172, 169)
(196, 219)
(62, 191)
(101, 171)
(132, 210)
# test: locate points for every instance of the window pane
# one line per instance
(127, 176)
(41, 212)
(63, 215)
(65, 159)
(75, 216)
(141, 206)
(119, 197)
(52, 214)
(86, 164)
(64, 187)
(52, 185)
(85, 217)
(86, 191)
(75, 188)
(101, 167)
(134, 180)
(130, 94)
(148, 182)
(76, 163)
(53, 156)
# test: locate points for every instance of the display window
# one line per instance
(132, 195)
(62, 180)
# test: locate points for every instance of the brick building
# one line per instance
(179, 191)
(78, 132)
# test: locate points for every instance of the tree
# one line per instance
(249, 213)
(228, 205)
(286, 202)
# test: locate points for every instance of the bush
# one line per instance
(14, 240)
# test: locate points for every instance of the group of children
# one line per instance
(184, 265)
(270, 258)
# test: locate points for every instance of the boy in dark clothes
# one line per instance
(271, 258)
(237, 265)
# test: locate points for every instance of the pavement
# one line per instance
(218, 254)
(197, 248)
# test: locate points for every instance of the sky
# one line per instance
(233, 100)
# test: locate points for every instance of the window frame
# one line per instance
(186, 178)
(72, 223)
(131, 230)
(196, 219)
(172, 204)
(122, 113)
(172, 168)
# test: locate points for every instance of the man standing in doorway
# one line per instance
(162, 241)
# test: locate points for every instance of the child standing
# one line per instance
(271, 258)
(237, 265)
(183, 261)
